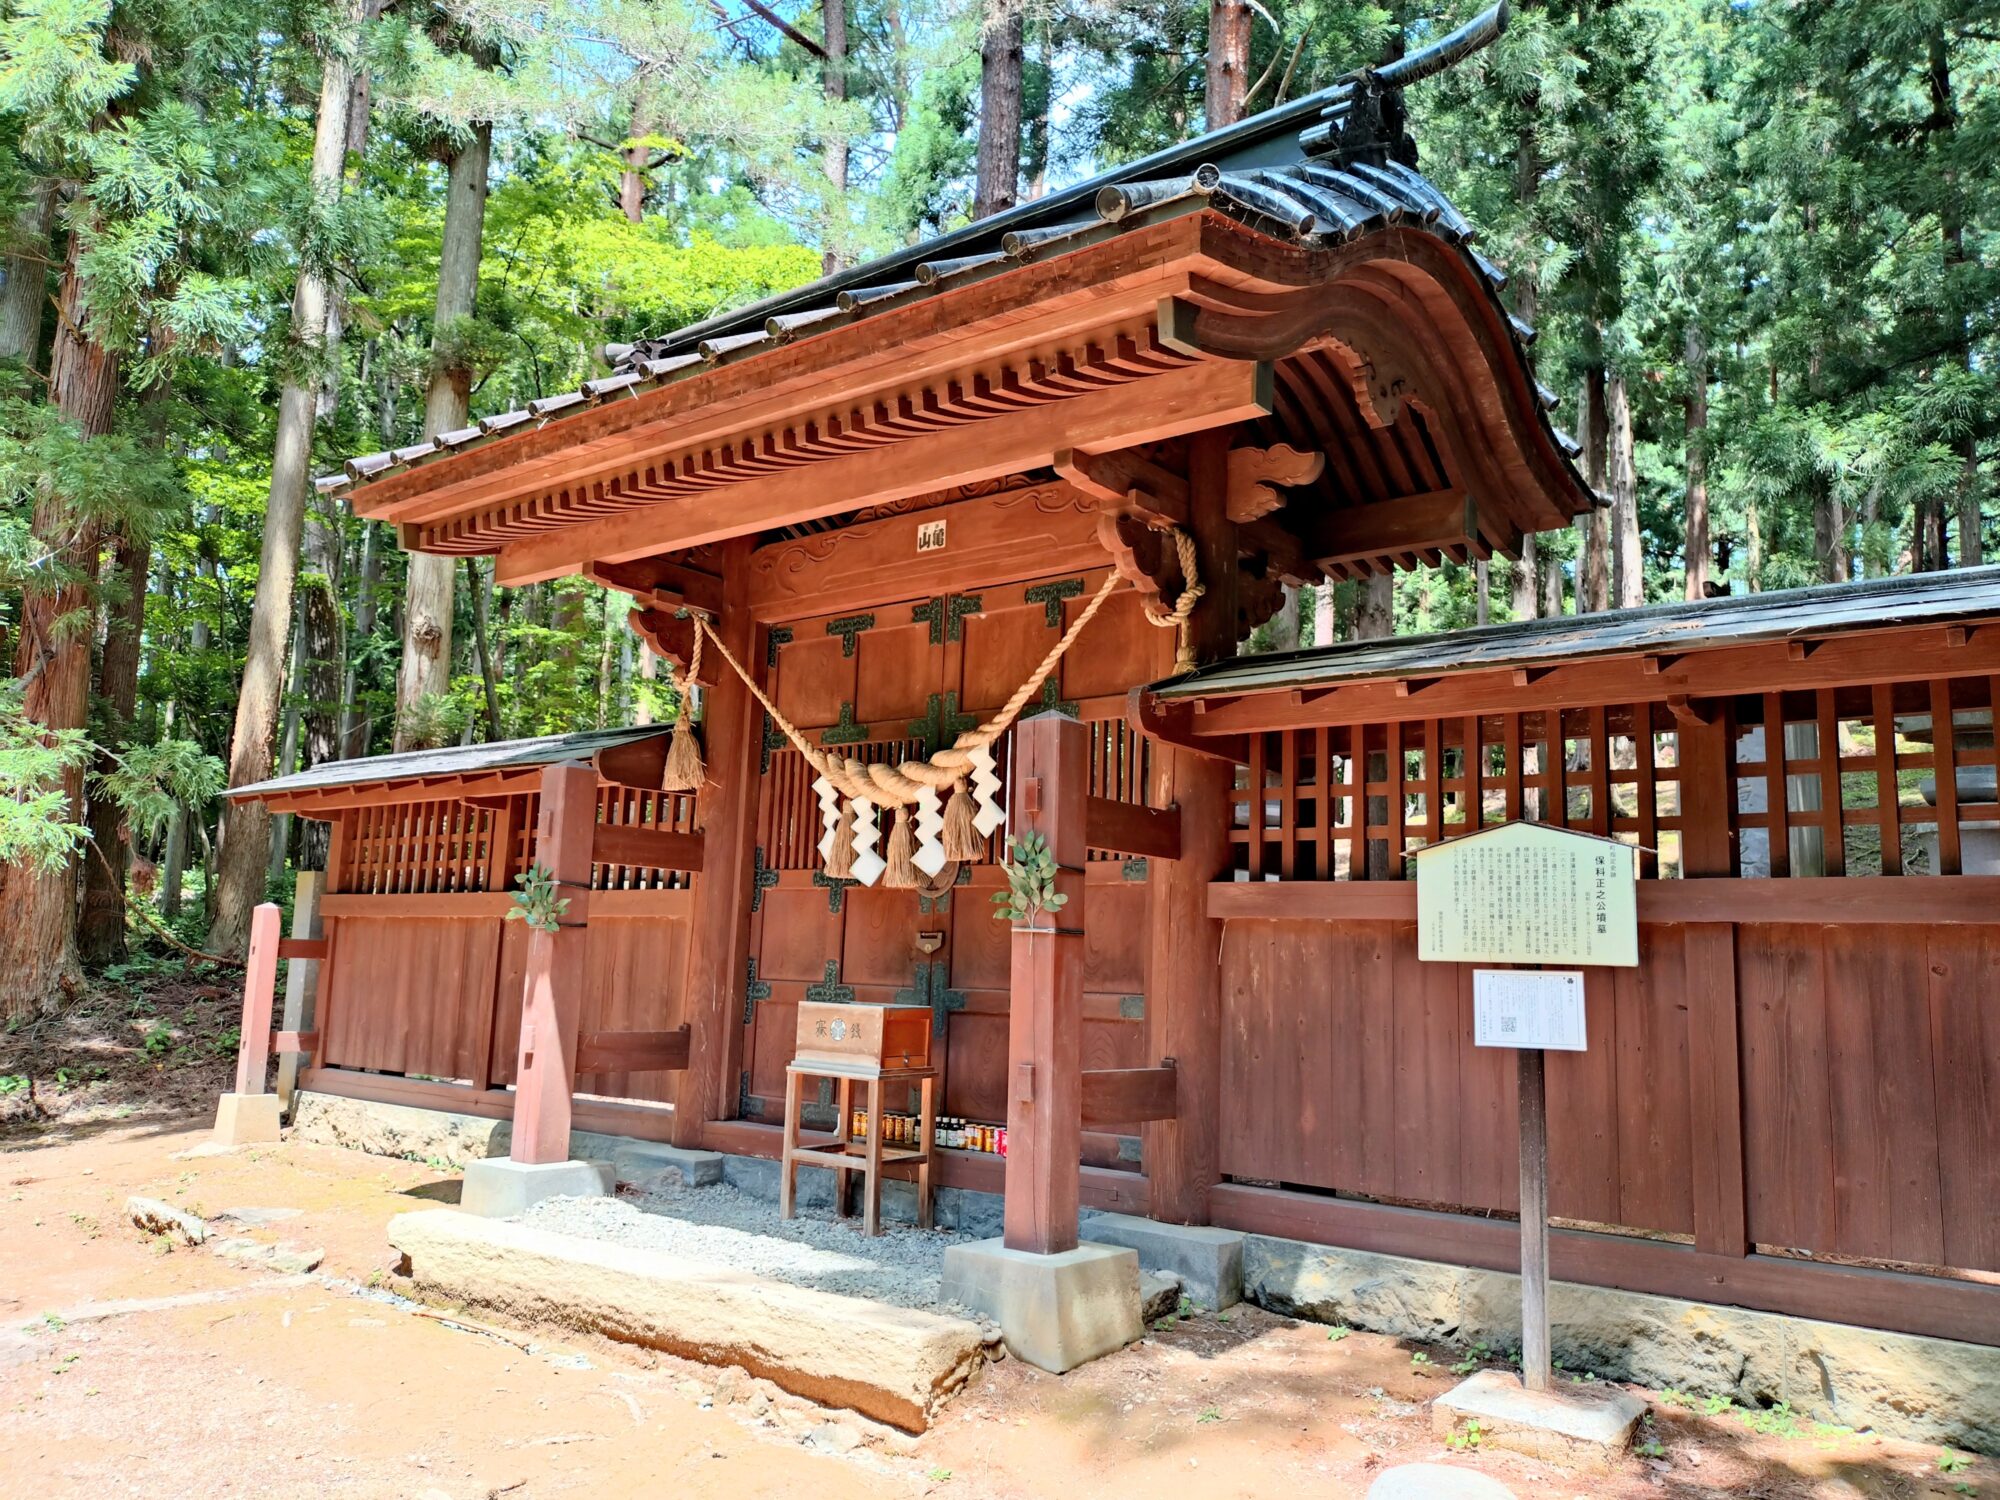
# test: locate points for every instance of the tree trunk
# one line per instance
(833, 80)
(246, 826)
(1482, 592)
(1593, 562)
(1753, 547)
(1943, 122)
(1228, 61)
(999, 168)
(1375, 615)
(175, 864)
(24, 278)
(38, 907)
(1696, 551)
(489, 675)
(354, 723)
(100, 933)
(1829, 532)
(1523, 602)
(1552, 589)
(321, 691)
(1326, 614)
(427, 596)
(1628, 576)
(288, 739)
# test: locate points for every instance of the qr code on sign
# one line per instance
(1508, 1025)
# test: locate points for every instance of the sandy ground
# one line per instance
(128, 1368)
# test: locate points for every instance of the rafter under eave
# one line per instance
(1147, 410)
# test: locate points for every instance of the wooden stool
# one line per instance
(866, 1156)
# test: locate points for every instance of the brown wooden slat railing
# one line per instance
(1822, 782)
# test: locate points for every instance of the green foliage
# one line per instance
(1031, 871)
(150, 781)
(537, 903)
(1467, 1438)
(35, 824)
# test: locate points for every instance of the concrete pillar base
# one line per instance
(1208, 1261)
(1055, 1311)
(247, 1120)
(500, 1187)
(1570, 1426)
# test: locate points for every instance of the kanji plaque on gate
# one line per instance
(1528, 893)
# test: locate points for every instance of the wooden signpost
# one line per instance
(1529, 893)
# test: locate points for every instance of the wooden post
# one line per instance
(301, 976)
(1045, 1004)
(1183, 964)
(726, 812)
(1715, 1069)
(260, 978)
(1535, 1373)
(1183, 986)
(552, 999)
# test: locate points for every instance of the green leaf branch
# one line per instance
(536, 902)
(1031, 882)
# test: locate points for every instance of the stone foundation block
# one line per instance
(1575, 1427)
(894, 1364)
(500, 1187)
(248, 1120)
(1928, 1390)
(1055, 1311)
(437, 1136)
(1208, 1261)
(651, 1165)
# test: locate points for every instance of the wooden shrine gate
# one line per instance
(900, 679)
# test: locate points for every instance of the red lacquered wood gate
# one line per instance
(899, 680)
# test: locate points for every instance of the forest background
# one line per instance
(244, 240)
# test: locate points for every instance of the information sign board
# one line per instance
(1528, 1008)
(1528, 893)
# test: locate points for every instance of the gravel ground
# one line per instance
(724, 1227)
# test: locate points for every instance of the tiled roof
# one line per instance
(1834, 608)
(1266, 172)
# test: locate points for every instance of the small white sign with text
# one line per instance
(1528, 1008)
(930, 536)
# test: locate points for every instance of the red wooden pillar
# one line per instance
(1184, 951)
(552, 1000)
(1184, 986)
(1045, 1014)
(260, 977)
(726, 814)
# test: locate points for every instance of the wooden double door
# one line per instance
(899, 680)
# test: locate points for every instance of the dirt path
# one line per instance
(147, 1370)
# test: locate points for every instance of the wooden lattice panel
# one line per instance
(1348, 802)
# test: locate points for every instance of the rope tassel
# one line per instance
(961, 839)
(901, 871)
(838, 848)
(685, 771)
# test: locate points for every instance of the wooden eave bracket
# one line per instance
(1696, 713)
(1127, 484)
(1172, 723)
(1253, 473)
